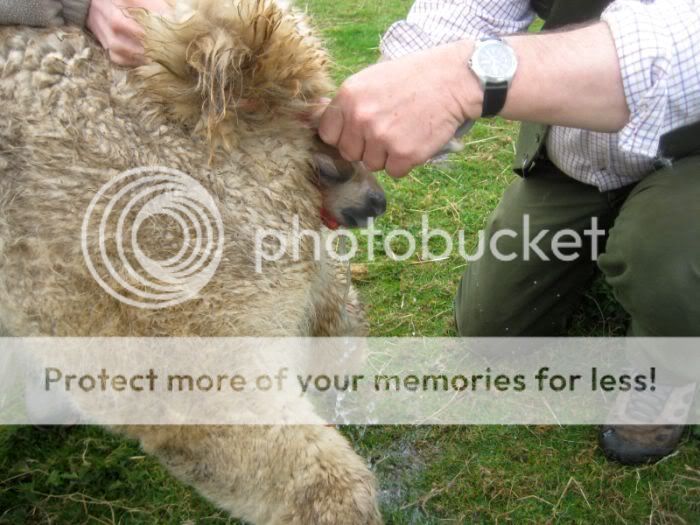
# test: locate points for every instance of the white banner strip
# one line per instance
(238, 381)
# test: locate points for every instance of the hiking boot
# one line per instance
(639, 444)
(653, 424)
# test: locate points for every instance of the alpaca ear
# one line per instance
(331, 166)
(326, 168)
(333, 169)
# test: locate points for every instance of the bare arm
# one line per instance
(569, 79)
(396, 115)
(108, 20)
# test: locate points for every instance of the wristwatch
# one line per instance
(494, 63)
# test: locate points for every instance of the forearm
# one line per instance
(568, 79)
(636, 74)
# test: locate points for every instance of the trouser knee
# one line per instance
(652, 260)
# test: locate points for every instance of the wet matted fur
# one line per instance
(219, 101)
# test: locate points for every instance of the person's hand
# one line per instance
(118, 33)
(397, 114)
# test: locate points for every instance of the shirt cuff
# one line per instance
(75, 11)
(645, 51)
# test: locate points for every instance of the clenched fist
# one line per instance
(396, 115)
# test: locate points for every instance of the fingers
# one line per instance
(398, 166)
(337, 130)
(375, 156)
(330, 127)
(125, 46)
(126, 58)
(355, 143)
(117, 31)
(313, 118)
(124, 51)
(352, 143)
(384, 131)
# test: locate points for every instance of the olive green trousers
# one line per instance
(650, 256)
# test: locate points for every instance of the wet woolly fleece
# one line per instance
(218, 101)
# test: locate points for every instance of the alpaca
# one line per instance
(219, 100)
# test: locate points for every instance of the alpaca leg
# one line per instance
(269, 474)
(337, 313)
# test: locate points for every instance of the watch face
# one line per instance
(496, 61)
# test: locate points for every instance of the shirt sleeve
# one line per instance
(658, 45)
(434, 22)
(43, 13)
(31, 12)
(75, 11)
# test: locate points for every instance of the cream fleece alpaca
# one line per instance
(71, 122)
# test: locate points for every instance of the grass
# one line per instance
(427, 474)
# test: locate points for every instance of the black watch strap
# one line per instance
(494, 98)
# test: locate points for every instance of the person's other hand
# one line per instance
(397, 114)
(118, 33)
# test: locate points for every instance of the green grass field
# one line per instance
(427, 474)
